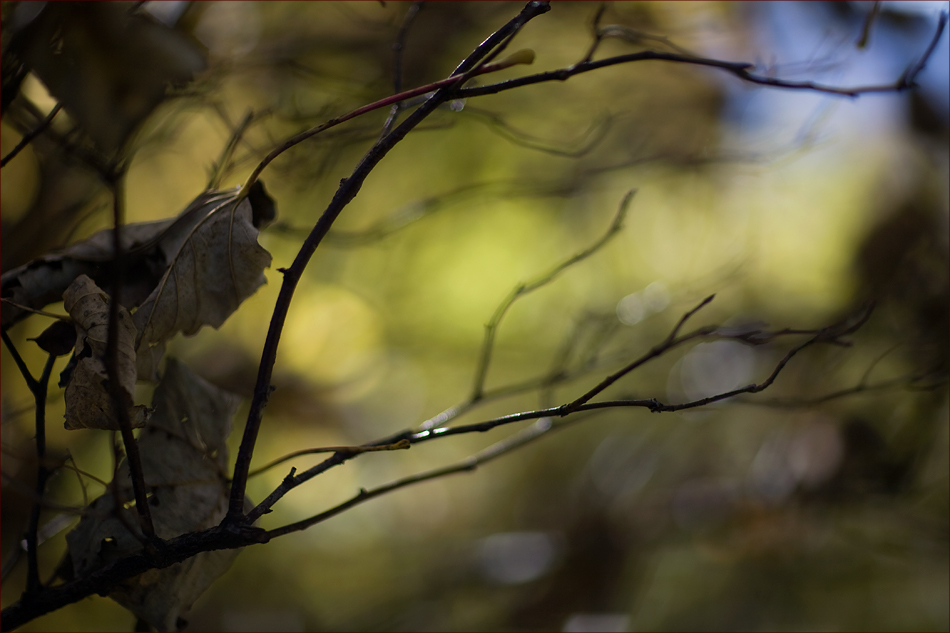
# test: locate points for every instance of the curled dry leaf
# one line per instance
(184, 460)
(181, 273)
(88, 398)
(43, 280)
(214, 263)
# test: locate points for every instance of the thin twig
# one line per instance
(220, 167)
(828, 335)
(28, 137)
(26, 492)
(449, 82)
(545, 424)
(410, 213)
(398, 47)
(21, 365)
(532, 433)
(868, 21)
(52, 315)
(938, 379)
(39, 389)
(434, 427)
(594, 135)
(344, 450)
(523, 289)
(742, 70)
(670, 342)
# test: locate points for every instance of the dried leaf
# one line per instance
(184, 459)
(214, 263)
(43, 280)
(88, 398)
(58, 339)
(158, 258)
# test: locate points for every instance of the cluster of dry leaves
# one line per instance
(178, 275)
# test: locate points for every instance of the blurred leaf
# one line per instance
(184, 457)
(108, 67)
(88, 399)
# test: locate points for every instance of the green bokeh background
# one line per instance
(792, 209)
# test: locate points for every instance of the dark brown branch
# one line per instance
(348, 189)
(103, 580)
(42, 476)
(344, 450)
(470, 464)
(38, 389)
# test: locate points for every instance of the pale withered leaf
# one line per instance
(184, 459)
(88, 398)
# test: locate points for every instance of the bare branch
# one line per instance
(545, 422)
(742, 70)
(470, 464)
(670, 342)
(346, 192)
(344, 450)
(435, 87)
(591, 138)
(918, 382)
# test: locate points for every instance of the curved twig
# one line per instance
(742, 70)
